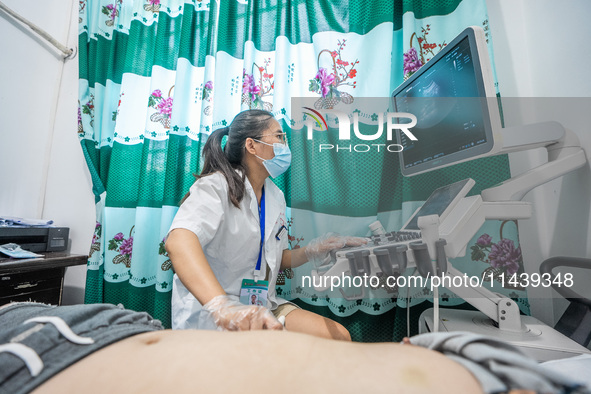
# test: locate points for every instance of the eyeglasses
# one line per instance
(278, 137)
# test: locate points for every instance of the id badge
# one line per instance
(254, 292)
(280, 233)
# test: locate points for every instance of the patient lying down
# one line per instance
(131, 353)
(259, 361)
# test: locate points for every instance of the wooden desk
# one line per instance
(38, 279)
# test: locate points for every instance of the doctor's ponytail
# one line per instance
(247, 124)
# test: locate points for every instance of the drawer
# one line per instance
(29, 282)
(47, 296)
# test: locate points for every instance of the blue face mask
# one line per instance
(280, 162)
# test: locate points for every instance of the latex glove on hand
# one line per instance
(231, 315)
(317, 250)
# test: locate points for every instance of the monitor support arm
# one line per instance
(504, 202)
(503, 310)
(564, 155)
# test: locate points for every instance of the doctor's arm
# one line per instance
(293, 258)
(191, 266)
(318, 248)
(194, 271)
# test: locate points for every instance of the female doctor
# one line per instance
(230, 232)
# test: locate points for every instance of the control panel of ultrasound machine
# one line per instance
(391, 253)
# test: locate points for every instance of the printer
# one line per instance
(36, 239)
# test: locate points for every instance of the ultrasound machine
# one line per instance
(454, 99)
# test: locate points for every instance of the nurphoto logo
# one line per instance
(315, 117)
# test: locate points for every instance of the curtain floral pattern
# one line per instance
(157, 77)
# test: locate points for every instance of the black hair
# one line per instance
(247, 124)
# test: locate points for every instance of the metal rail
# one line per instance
(66, 52)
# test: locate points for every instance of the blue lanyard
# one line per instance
(262, 224)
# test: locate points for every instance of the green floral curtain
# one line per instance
(157, 77)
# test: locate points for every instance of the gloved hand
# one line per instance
(318, 248)
(231, 315)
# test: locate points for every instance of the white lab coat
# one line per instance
(230, 239)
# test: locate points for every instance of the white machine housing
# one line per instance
(499, 315)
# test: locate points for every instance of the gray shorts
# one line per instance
(59, 338)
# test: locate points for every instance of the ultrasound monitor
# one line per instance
(454, 100)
